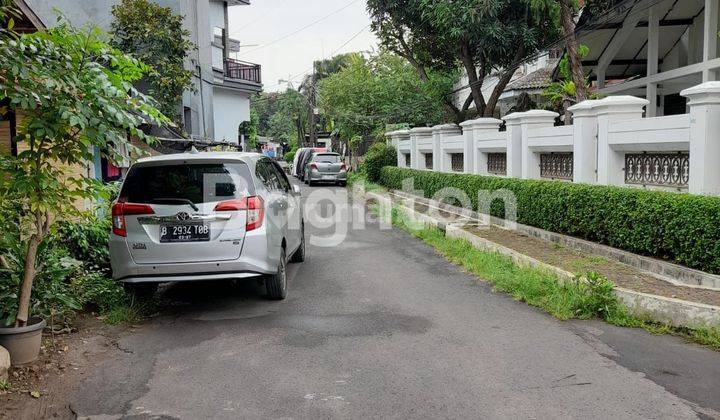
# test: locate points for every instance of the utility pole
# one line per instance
(313, 110)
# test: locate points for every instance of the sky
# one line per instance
(264, 23)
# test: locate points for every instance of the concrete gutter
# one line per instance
(670, 311)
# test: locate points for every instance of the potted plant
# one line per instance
(73, 95)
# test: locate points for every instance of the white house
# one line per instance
(653, 49)
(223, 86)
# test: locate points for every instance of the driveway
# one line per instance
(382, 327)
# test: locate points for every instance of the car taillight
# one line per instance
(313, 167)
(255, 210)
(120, 210)
(343, 167)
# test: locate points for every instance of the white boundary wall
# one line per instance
(677, 153)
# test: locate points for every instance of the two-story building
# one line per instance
(213, 111)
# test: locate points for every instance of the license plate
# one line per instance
(328, 177)
(184, 233)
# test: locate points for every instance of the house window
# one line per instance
(456, 162)
(428, 160)
(407, 159)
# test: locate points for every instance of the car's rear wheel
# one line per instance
(299, 255)
(276, 284)
(342, 183)
(142, 291)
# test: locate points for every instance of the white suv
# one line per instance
(206, 216)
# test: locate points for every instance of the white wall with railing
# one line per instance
(609, 143)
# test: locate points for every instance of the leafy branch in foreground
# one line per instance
(74, 94)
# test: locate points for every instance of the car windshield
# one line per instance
(178, 183)
(327, 158)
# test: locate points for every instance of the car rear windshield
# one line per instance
(329, 158)
(196, 182)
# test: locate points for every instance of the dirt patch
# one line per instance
(42, 389)
(581, 262)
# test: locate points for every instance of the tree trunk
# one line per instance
(502, 84)
(28, 276)
(568, 24)
(473, 80)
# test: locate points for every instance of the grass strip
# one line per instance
(586, 299)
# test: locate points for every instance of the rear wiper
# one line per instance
(176, 201)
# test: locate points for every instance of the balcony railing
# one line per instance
(236, 69)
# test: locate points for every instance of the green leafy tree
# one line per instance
(483, 36)
(289, 122)
(250, 129)
(75, 93)
(370, 93)
(155, 36)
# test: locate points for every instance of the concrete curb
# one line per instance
(671, 311)
(664, 270)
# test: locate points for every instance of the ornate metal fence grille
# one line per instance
(662, 169)
(456, 162)
(556, 165)
(428, 160)
(497, 163)
(407, 159)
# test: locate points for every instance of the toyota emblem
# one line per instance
(182, 216)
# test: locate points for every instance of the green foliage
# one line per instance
(52, 296)
(563, 90)
(378, 156)
(75, 93)
(369, 93)
(99, 292)
(290, 156)
(86, 239)
(289, 119)
(155, 36)
(485, 36)
(250, 129)
(679, 227)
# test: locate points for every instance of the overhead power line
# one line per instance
(309, 25)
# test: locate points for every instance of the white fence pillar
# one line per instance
(514, 145)
(439, 132)
(403, 137)
(476, 131)
(704, 103)
(423, 144)
(609, 110)
(585, 131)
(529, 160)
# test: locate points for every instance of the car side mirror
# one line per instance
(296, 189)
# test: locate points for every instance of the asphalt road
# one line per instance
(382, 327)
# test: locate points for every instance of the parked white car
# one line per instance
(206, 216)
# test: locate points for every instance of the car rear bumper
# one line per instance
(188, 277)
(256, 259)
(317, 176)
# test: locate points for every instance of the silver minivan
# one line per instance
(206, 216)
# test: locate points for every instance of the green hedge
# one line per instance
(379, 155)
(680, 227)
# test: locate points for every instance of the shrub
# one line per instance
(684, 228)
(290, 156)
(380, 154)
(87, 240)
